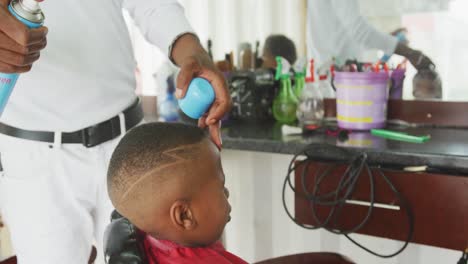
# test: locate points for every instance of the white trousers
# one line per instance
(54, 199)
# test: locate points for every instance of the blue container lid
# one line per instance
(200, 96)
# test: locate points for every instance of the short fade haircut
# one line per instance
(142, 149)
(280, 45)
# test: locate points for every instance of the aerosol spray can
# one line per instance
(29, 13)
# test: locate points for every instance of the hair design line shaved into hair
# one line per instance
(169, 158)
(147, 148)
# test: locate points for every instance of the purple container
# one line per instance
(396, 88)
(361, 99)
(363, 139)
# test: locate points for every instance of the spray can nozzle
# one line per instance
(31, 5)
(29, 10)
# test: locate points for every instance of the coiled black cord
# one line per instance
(337, 199)
(464, 258)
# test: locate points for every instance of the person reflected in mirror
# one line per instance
(337, 29)
(278, 45)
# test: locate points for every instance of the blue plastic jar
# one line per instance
(200, 96)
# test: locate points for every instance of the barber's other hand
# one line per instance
(419, 60)
(197, 63)
(19, 46)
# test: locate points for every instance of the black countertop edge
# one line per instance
(456, 165)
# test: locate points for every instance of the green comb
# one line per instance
(399, 136)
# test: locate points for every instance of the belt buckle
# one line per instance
(86, 137)
(94, 135)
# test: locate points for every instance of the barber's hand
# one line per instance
(19, 46)
(197, 63)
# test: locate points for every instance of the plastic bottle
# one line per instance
(246, 56)
(210, 48)
(29, 13)
(285, 103)
(325, 86)
(300, 76)
(169, 107)
(324, 82)
(200, 96)
(310, 110)
(257, 59)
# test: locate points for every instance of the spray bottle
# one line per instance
(324, 83)
(168, 109)
(285, 103)
(300, 69)
(311, 106)
(29, 13)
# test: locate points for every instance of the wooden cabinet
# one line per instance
(439, 204)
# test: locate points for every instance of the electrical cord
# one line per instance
(337, 198)
(464, 257)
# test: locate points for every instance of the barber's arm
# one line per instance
(19, 46)
(359, 29)
(368, 36)
(164, 24)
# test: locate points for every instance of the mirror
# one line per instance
(438, 28)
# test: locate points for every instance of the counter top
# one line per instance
(447, 150)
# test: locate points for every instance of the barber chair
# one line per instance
(123, 245)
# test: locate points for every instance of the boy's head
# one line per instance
(278, 45)
(168, 181)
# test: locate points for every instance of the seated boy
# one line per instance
(168, 181)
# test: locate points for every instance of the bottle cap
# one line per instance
(282, 68)
(200, 95)
(312, 72)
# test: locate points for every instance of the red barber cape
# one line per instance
(167, 252)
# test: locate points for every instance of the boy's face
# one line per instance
(210, 206)
(268, 60)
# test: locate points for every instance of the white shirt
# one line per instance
(335, 28)
(86, 73)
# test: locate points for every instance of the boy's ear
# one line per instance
(182, 216)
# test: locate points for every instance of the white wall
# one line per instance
(229, 22)
(261, 230)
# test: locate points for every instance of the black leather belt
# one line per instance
(90, 136)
